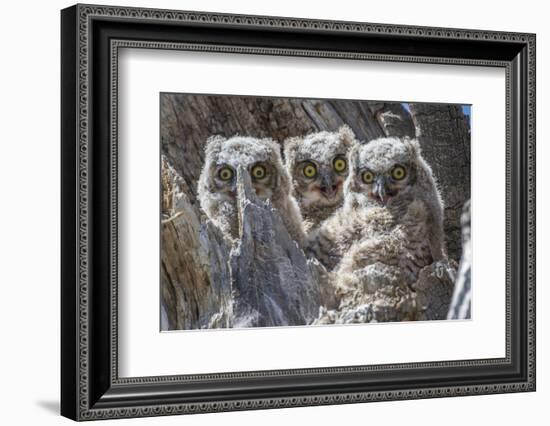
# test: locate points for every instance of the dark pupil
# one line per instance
(258, 172)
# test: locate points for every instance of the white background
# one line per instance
(29, 225)
(143, 351)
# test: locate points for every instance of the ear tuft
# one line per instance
(214, 143)
(347, 135)
(413, 146)
(271, 143)
(353, 155)
(215, 139)
(290, 146)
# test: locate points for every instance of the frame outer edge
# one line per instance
(83, 12)
(69, 266)
(531, 200)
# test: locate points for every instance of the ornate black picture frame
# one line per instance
(90, 38)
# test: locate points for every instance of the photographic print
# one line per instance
(304, 212)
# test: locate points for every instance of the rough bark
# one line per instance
(462, 297)
(194, 270)
(434, 291)
(272, 280)
(385, 296)
(444, 135)
(264, 280)
(393, 118)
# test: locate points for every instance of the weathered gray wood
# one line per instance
(393, 118)
(381, 294)
(462, 296)
(271, 278)
(264, 280)
(195, 276)
(444, 135)
(434, 291)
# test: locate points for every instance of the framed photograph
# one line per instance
(263, 212)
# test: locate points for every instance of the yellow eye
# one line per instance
(368, 177)
(339, 164)
(398, 173)
(258, 172)
(310, 170)
(225, 173)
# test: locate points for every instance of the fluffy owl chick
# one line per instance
(392, 211)
(318, 166)
(217, 187)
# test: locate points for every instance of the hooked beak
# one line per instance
(379, 190)
(328, 187)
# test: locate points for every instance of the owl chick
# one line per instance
(392, 212)
(217, 187)
(318, 165)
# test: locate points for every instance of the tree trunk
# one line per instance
(264, 280)
(272, 281)
(194, 271)
(443, 133)
(393, 118)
